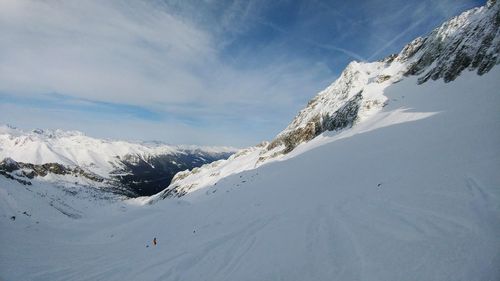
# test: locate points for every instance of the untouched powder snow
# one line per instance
(413, 193)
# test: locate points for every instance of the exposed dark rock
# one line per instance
(9, 165)
(11, 177)
(342, 118)
(411, 49)
(21, 172)
(173, 191)
(390, 58)
(382, 78)
(445, 54)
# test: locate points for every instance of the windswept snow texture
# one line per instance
(413, 193)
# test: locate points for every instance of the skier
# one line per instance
(154, 241)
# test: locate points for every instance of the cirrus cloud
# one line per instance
(229, 72)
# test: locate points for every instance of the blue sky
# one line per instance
(195, 72)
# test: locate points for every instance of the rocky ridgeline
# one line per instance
(135, 176)
(133, 168)
(341, 118)
(24, 173)
(470, 41)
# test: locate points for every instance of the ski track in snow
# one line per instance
(399, 197)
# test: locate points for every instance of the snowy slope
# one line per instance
(468, 42)
(413, 193)
(407, 190)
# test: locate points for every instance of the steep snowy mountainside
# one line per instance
(468, 42)
(411, 193)
(144, 168)
(354, 96)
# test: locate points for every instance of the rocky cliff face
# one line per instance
(470, 41)
(341, 118)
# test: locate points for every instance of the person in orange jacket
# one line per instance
(154, 241)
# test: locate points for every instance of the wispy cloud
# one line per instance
(404, 21)
(140, 58)
(192, 71)
(328, 47)
(108, 51)
(419, 16)
(56, 101)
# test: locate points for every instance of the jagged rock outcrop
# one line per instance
(8, 166)
(469, 41)
(342, 118)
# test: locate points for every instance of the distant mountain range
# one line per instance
(131, 169)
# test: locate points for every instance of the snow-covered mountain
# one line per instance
(468, 42)
(131, 168)
(411, 194)
(385, 175)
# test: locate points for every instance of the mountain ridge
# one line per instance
(404, 187)
(469, 41)
(132, 168)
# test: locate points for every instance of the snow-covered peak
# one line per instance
(38, 133)
(469, 41)
(73, 148)
(353, 80)
(9, 162)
